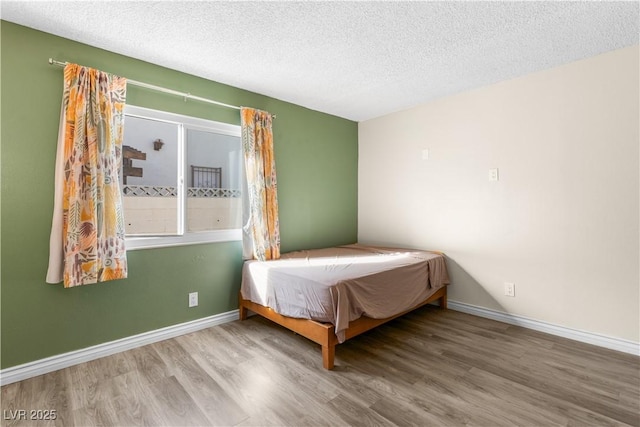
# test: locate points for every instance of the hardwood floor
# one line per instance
(430, 367)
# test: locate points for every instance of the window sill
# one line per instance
(135, 243)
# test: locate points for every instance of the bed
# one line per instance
(330, 295)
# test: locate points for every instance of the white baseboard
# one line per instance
(60, 361)
(561, 331)
(53, 363)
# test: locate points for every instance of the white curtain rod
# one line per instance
(163, 89)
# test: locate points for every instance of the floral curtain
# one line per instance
(262, 232)
(87, 243)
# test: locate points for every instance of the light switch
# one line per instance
(425, 154)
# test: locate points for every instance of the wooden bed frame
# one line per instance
(324, 333)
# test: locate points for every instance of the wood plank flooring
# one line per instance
(430, 367)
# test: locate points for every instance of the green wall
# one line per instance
(316, 158)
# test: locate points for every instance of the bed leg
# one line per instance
(242, 312)
(443, 302)
(328, 355)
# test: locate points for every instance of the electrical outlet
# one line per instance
(493, 174)
(510, 289)
(193, 299)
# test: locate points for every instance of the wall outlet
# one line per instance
(493, 174)
(193, 299)
(510, 289)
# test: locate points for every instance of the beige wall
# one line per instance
(149, 215)
(562, 222)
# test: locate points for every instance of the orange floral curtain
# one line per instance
(87, 243)
(262, 231)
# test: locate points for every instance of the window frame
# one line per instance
(186, 237)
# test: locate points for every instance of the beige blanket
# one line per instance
(340, 284)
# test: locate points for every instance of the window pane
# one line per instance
(213, 174)
(149, 177)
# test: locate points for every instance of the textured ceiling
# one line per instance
(357, 60)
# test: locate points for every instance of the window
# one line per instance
(181, 179)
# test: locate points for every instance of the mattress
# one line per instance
(340, 284)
